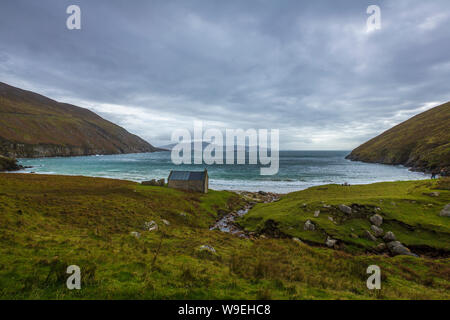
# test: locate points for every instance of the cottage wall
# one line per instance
(197, 185)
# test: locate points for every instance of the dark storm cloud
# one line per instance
(308, 68)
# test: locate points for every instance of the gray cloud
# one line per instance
(310, 69)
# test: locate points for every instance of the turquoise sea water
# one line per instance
(298, 170)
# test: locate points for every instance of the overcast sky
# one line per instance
(308, 68)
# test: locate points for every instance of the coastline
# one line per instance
(253, 196)
(299, 170)
(237, 189)
(411, 168)
(89, 154)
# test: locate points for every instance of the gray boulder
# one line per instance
(399, 249)
(154, 182)
(150, 226)
(376, 219)
(389, 236)
(381, 247)
(377, 231)
(309, 226)
(330, 242)
(446, 211)
(135, 234)
(207, 248)
(392, 244)
(369, 236)
(316, 213)
(345, 209)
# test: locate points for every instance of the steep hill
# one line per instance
(32, 125)
(422, 142)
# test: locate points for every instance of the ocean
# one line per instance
(298, 170)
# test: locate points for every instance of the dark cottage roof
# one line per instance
(187, 175)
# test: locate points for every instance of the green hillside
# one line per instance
(32, 125)
(409, 209)
(422, 142)
(50, 222)
(8, 164)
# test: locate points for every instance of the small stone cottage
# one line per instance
(189, 180)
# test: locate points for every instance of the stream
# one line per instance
(227, 222)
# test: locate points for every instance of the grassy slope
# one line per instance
(31, 119)
(49, 222)
(406, 207)
(422, 141)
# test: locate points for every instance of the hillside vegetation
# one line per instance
(422, 142)
(32, 125)
(8, 164)
(409, 209)
(50, 222)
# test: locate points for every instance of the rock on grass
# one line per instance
(381, 247)
(389, 236)
(207, 247)
(330, 243)
(208, 252)
(377, 231)
(369, 236)
(345, 209)
(135, 234)
(376, 219)
(446, 211)
(399, 249)
(309, 226)
(150, 226)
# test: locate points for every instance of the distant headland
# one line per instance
(421, 143)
